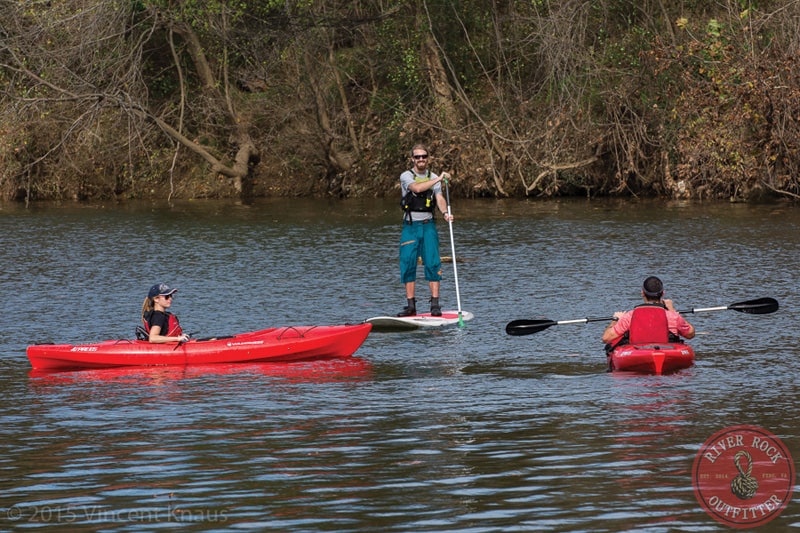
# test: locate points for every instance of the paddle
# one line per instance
(527, 327)
(760, 306)
(453, 250)
(181, 343)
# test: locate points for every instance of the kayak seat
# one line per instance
(649, 325)
(141, 334)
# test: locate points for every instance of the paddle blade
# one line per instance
(527, 327)
(761, 306)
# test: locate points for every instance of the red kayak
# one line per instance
(292, 343)
(662, 358)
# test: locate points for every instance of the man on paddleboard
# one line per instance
(653, 294)
(421, 192)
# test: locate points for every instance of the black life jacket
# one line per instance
(418, 202)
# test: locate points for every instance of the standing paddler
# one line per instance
(421, 192)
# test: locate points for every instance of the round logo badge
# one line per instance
(743, 476)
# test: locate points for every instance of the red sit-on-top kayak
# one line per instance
(284, 344)
(661, 358)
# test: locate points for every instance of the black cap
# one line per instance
(652, 287)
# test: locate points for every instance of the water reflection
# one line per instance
(312, 371)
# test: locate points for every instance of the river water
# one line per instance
(458, 429)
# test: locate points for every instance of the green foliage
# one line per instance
(397, 60)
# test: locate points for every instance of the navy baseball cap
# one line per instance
(160, 289)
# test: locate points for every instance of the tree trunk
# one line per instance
(247, 154)
(437, 76)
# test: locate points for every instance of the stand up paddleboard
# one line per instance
(424, 320)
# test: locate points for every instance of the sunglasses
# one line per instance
(167, 296)
(421, 156)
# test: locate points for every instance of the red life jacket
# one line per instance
(649, 324)
(173, 327)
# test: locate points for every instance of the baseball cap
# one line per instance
(653, 287)
(160, 289)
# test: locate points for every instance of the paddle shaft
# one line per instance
(760, 306)
(583, 320)
(703, 309)
(453, 251)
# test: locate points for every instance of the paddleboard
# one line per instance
(424, 320)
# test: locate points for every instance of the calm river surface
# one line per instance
(448, 430)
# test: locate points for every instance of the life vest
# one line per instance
(418, 202)
(649, 324)
(173, 327)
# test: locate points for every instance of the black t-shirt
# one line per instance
(159, 318)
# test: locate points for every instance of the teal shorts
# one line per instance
(420, 239)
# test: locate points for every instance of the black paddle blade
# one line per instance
(761, 306)
(526, 327)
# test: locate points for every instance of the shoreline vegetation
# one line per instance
(542, 99)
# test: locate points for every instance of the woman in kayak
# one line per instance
(651, 320)
(160, 325)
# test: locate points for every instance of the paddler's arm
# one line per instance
(157, 338)
(422, 186)
(441, 203)
(687, 332)
(609, 334)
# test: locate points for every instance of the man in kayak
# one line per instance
(648, 319)
(421, 192)
(160, 325)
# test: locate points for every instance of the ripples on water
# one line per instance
(459, 430)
